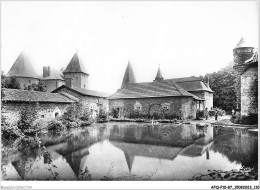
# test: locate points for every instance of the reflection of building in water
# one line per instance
(169, 135)
(23, 166)
(132, 150)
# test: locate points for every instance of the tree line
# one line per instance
(225, 84)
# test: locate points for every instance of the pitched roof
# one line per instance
(22, 68)
(151, 89)
(75, 65)
(17, 95)
(191, 84)
(54, 75)
(84, 92)
(129, 76)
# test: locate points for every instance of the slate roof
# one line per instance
(75, 65)
(191, 84)
(54, 75)
(129, 76)
(22, 68)
(151, 89)
(84, 92)
(17, 95)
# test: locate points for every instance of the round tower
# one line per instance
(246, 64)
(242, 52)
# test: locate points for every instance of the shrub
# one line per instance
(28, 116)
(76, 110)
(102, 114)
(251, 119)
(55, 125)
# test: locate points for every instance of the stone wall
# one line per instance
(53, 84)
(240, 55)
(11, 110)
(249, 91)
(79, 80)
(185, 106)
(90, 101)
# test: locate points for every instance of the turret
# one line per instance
(129, 76)
(159, 76)
(242, 52)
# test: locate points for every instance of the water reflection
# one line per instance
(116, 151)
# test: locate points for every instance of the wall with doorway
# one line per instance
(11, 111)
(184, 107)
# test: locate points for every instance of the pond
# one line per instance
(129, 151)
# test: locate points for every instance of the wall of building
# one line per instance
(89, 101)
(78, 80)
(208, 96)
(11, 111)
(53, 84)
(249, 88)
(185, 106)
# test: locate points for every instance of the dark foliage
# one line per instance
(36, 87)
(251, 119)
(226, 86)
(28, 116)
(12, 82)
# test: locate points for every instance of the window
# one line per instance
(137, 106)
(42, 116)
(165, 106)
(56, 114)
(29, 81)
(84, 86)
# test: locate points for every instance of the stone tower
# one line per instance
(75, 74)
(129, 76)
(159, 76)
(24, 72)
(246, 64)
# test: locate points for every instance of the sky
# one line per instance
(186, 38)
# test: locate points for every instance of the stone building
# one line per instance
(47, 105)
(92, 99)
(23, 71)
(246, 64)
(197, 87)
(52, 79)
(160, 96)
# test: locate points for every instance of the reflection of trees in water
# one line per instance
(238, 145)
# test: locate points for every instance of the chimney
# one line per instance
(207, 81)
(46, 72)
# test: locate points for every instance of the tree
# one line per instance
(226, 86)
(12, 82)
(36, 87)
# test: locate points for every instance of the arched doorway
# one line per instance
(155, 111)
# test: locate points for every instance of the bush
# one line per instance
(170, 116)
(102, 115)
(251, 119)
(28, 116)
(76, 110)
(55, 125)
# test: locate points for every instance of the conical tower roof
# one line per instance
(129, 76)
(243, 43)
(22, 68)
(159, 74)
(75, 65)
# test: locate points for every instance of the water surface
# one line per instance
(129, 151)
